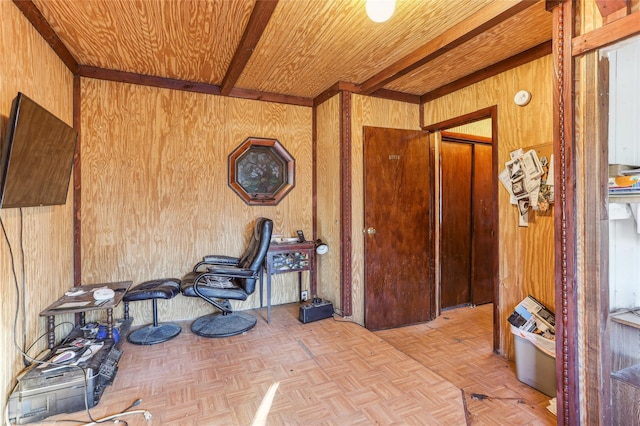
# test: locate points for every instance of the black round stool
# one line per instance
(165, 288)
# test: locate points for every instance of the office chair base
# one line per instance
(218, 325)
(150, 335)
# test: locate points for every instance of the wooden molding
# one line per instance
(260, 16)
(345, 205)
(606, 35)
(462, 120)
(147, 80)
(564, 152)
(480, 22)
(31, 12)
(461, 137)
(77, 183)
(609, 7)
(522, 58)
(338, 87)
(313, 286)
(396, 96)
(271, 97)
(189, 86)
(549, 5)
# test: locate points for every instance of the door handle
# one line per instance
(370, 231)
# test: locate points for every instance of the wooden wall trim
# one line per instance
(260, 16)
(608, 7)
(464, 31)
(594, 136)
(565, 219)
(334, 90)
(314, 193)
(463, 119)
(346, 205)
(522, 58)
(396, 96)
(497, 326)
(606, 35)
(188, 86)
(31, 12)
(77, 183)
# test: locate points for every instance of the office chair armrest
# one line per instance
(231, 272)
(217, 259)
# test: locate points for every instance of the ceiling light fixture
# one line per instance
(380, 10)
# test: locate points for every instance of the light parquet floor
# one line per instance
(458, 345)
(328, 373)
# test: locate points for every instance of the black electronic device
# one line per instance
(51, 389)
(36, 157)
(318, 309)
(300, 236)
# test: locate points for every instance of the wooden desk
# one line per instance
(81, 304)
(288, 257)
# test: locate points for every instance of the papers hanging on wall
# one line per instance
(528, 177)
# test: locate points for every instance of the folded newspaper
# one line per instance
(532, 320)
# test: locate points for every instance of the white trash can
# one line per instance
(535, 361)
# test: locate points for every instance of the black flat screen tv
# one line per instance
(36, 157)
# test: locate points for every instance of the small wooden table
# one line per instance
(288, 257)
(82, 303)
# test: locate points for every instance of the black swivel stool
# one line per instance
(165, 288)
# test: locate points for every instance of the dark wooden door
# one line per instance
(482, 260)
(398, 196)
(455, 231)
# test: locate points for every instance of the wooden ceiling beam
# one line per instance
(341, 86)
(522, 58)
(31, 12)
(147, 80)
(260, 16)
(486, 18)
(187, 86)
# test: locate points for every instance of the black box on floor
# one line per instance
(316, 310)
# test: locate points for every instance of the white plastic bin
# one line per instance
(534, 366)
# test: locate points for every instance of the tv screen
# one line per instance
(36, 157)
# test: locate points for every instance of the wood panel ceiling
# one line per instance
(291, 50)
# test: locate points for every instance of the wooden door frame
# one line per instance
(485, 113)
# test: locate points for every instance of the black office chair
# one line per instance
(219, 278)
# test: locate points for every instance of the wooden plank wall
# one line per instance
(30, 66)
(155, 194)
(328, 198)
(526, 254)
(369, 111)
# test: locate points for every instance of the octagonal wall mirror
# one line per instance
(261, 171)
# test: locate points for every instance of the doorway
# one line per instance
(485, 222)
(465, 220)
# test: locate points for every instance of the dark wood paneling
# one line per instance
(482, 254)
(455, 236)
